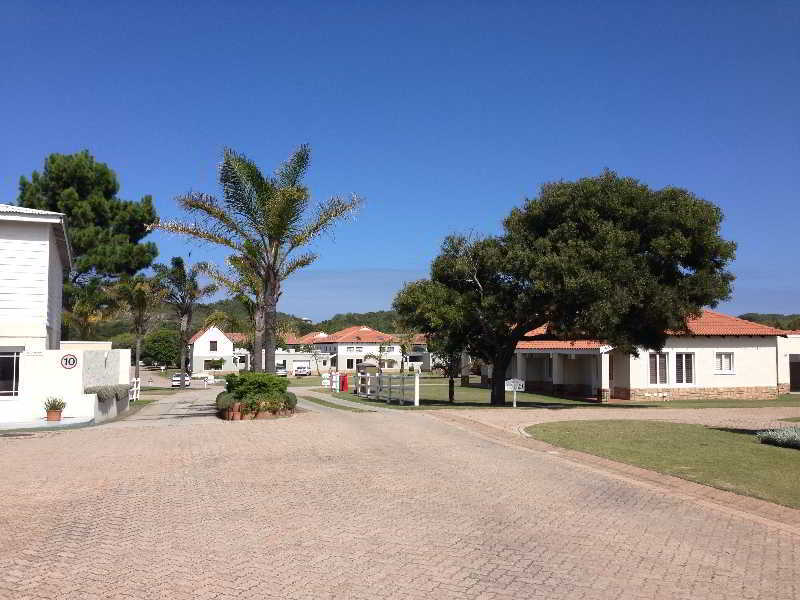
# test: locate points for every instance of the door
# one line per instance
(794, 376)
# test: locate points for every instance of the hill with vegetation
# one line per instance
(774, 319)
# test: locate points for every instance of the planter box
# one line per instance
(53, 415)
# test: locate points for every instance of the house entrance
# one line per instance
(794, 372)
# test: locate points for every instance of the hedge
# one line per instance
(787, 437)
(244, 385)
(105, 393)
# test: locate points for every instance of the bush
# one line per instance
(54, 403)
(225, 400)
(289, 401)
(106, 393)
(787, 437)
(245, 385)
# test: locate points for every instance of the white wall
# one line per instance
(201, 349)
(787, 346)
(343, 353)
(754, 362)
(24, 276)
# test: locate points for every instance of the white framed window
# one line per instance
(349, 363)
(350, 348)
(9, 374)
(212, 346)
(723, 363)
(658, 368)
(359, 348)
(684, 367)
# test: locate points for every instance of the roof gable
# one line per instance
(234, 337)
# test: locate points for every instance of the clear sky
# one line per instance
(442, 115)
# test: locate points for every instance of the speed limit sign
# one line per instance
(69, 361)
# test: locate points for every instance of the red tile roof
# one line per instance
(709, 323)
(232, 336)
(357, 333)
(309, 338)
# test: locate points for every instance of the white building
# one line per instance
(34, 255)
(215, 350)
(354, 345)
(721, 357)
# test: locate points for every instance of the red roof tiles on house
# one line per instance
(709, 323)
(357, 333)
(308, 338)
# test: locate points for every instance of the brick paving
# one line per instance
(332, 504)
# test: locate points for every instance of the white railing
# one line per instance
(135, 390)
(389, 388)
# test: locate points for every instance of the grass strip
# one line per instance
(727, 459)
(327, 404)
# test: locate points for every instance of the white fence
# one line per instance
(135, 389)
(390, 388)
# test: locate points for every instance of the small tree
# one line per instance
(182, 292)
(141, 299)
(161, 346)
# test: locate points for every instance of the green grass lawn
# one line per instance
(730, 460)
(333, 404)
(433, 394)
(310, 381)
(792, 419)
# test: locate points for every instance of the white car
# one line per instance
(302, 371)
(176, 380)
(281, 372)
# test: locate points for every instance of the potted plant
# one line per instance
(54, 405)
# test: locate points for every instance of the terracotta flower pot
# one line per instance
(237, 407)
(53, 415)
(236, 415)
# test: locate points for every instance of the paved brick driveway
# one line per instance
(353, 505)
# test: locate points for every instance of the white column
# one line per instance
(520, 365)
(604, 391)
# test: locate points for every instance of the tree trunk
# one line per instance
(258, 341)
(182, 350)
(270, 326)
(138, 354)
(499, 368)
(451, 390)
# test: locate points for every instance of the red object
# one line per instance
(343, 382)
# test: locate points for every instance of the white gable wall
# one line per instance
(24, 277)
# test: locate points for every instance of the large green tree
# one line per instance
(266, 220)
(161, 346)
(182, 292)
(105, 232)
(603, 257)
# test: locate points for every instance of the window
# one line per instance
(350, 348)
(212, 346)
(684, 367)
(658, 368)
(9, 374)
(724, 362)
(548, 367)
(349, 363)
(324, 362)
(359, 348)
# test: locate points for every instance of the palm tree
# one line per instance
(141, 298)
(91, 305)
(182, 292)
(266, 221)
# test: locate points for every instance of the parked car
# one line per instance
(281, 372)
(302, 371)
(176, 380)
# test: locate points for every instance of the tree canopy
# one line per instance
(603, 258)
(105, 232)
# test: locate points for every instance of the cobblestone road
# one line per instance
(176, 504)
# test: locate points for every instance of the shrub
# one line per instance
(106, 393)
(787, 437)
(54, 403)
(289, 401)
(245, 385)
(225, 400)
(273, 404)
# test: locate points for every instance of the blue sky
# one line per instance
(442, 115)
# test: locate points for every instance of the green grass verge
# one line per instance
(436, 396)
(334, 404)
(732, 460)
(159, 391)
(791, 419)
